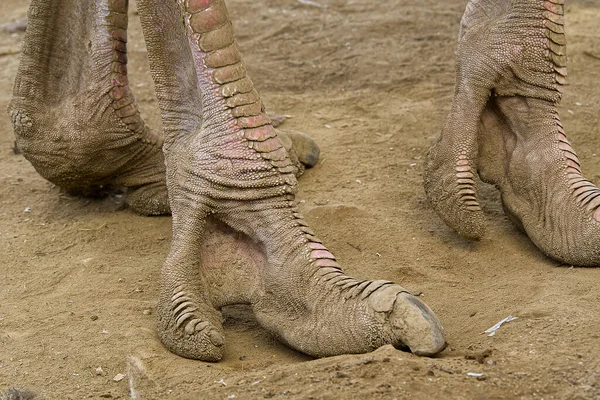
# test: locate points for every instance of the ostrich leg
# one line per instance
(504, 125)
(73, 112)
(229, 176)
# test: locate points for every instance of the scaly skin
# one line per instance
(504, 126)
(74, 115)
(229, 176)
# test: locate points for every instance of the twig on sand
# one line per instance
(9, 53)
(312, 3)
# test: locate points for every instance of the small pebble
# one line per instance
(119, 377)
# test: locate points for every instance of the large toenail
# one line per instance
(421, 331)
(311, 158)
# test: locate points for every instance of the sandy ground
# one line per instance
(372, 83)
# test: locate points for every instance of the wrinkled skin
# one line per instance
(504, 126)
(227, 176)
(82, 130)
